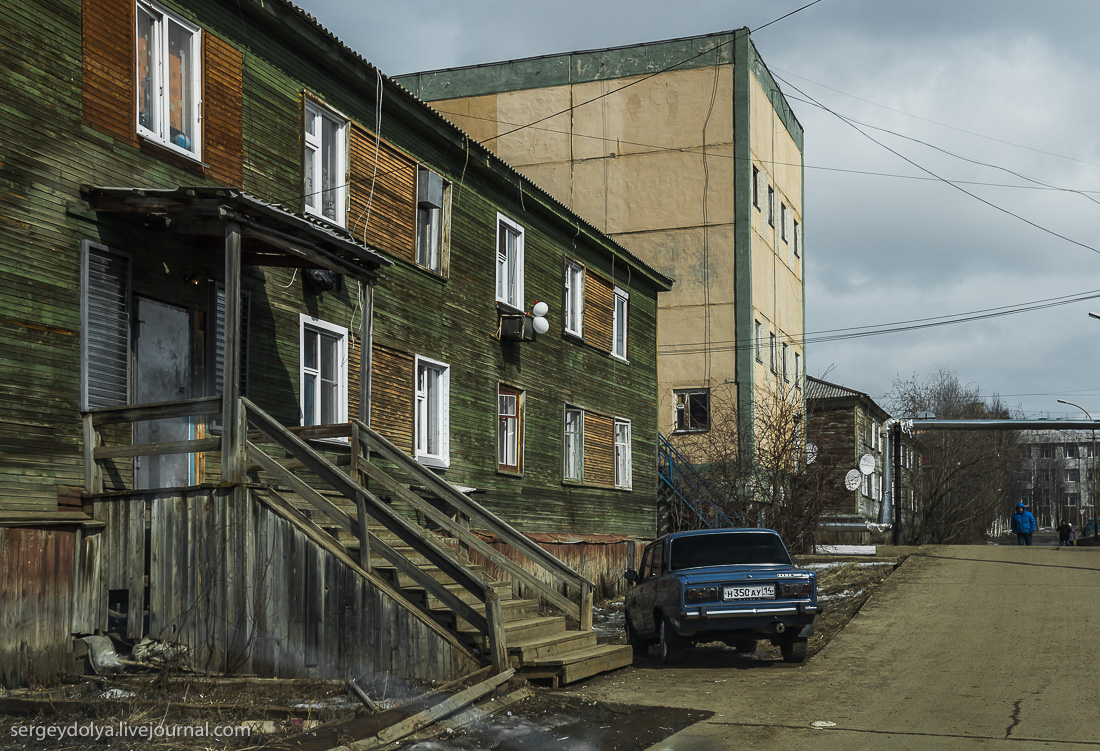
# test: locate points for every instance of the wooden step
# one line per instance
(523, 652)
(513, 610)
(578, 665)
(523, 629)
(404, 580)
(419, 594)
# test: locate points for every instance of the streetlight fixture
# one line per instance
(1091, 468)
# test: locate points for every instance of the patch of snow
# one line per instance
(845, 549)
(870, 564)
(841, 595)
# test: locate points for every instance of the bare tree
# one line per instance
(768, 482)
(965, 482)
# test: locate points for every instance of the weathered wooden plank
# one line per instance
(205, 405)
(193, 446)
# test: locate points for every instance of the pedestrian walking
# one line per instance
(1065, 529)
(1023, 524)
(1072, 535)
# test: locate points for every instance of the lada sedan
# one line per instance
(737, 586)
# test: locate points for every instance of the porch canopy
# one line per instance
(268, 234)
(256, 233)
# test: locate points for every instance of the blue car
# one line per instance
(737, 586)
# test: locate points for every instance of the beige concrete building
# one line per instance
(687, 153)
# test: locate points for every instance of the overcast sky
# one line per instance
(1008, 83)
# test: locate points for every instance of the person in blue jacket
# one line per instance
(1023, 524)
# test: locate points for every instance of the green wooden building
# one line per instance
(219, 222)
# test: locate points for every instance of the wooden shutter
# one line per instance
(391, 399)
(391, 224)
(599, 311)
(215, 361)
(222, 111)
(108, 68)
(104, 327)
(599, 450)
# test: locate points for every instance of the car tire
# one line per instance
(672, 644)
(793, 650)
(636, 643)
(746, 647)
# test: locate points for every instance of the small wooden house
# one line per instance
(275, 338)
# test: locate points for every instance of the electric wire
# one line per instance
(957, 187)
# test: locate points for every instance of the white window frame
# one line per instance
(624, 470)
(509, 287)
(783, 221)
(756, 187)
(620, 320)
(771, 206)
(786, 375)
(797, 371)
(758, 340)
(424, 402)
(574, 298)
(797, 239)
(510, 429)
(158, 90)
(774, 353)
(305, 324)
(573, 445)
(313, 163)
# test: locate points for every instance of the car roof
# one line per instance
(722, 531)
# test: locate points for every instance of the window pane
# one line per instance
(309, 399)
(330, 166)
(146, 71)
(311, 189)
(310, 354)
(180, 96)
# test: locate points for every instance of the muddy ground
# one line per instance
(274, 711)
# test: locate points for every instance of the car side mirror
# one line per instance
(631, 575)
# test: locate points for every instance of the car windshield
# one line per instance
(726, 549)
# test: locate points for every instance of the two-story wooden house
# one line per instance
(268, 326)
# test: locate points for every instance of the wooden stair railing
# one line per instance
(491, 624)
(464, 507)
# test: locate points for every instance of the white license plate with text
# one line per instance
(762, 592)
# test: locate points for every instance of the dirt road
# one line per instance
(962, 647)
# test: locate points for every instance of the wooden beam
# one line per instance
(430, 715)
(205, 405)
(93, 473)
(233, 423)
(302, 488)
(366, 353)
(158, 449)
(477, 513)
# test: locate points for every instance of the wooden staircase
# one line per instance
(513, 618)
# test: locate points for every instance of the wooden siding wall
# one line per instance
(600, 561)
(247, 591)
(599, 449)
(45, 120)
(222, 103)
(36, 574)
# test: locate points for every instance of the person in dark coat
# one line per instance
(1023, 524)
(1064, 533)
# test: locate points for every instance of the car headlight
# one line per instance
(795, 588)
(701, 594)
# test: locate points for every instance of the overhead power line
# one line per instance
(857, 332)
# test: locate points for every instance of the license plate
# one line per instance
(763, 592)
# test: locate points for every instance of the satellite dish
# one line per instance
(811, 452)
(866, 464)
(540, 324)
(852, 479)
(540, 309)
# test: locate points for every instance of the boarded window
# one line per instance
(108, 93)
(392, 390)
(382, 210)
(599, 297)
(599, 450)
(104, 327)
(222, 102)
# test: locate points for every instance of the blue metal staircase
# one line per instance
(690, 500)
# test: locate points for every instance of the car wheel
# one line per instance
(672, 644)
(640, 647)
(746, 647)
(793, 650)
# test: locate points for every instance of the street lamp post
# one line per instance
(1090, 468)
